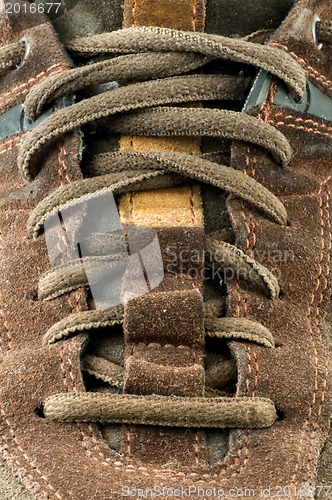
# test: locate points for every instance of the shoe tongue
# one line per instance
(223, 17)
(88, 17)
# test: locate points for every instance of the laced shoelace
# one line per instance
(145, 108)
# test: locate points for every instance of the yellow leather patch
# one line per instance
(174, 144)
(187, 15)
(172, 206)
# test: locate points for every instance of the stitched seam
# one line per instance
(243, 444)
(251, 230)
(194, 17)
(85, 441)
(134, 23)
(128, 442)
(265, 108)
(301, 120)
(88, 444)
(312, 340)
(300, 127)
(25, 87)
(5, 324)
(310, 70)
(163, 346)
(12, 142)
(17, 444)
(26, 458)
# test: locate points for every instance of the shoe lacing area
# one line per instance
(145, 108)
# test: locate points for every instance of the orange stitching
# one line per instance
(134, 23)
(128, 442)
(306, 423)
(264, 103)
(71, 374)
(194, 18)
(164, 346)
(265, 107)
(25, 456)
(300, 127)
(243, 214)
(245, 300)
(8, 334)
(5, 453)
(81, 430)
(12, 143)
(147, 471)
(246, 225)
(238, 296)
(85, 440)
(14, 94)
(62, 235)
(320, 125)
(62, 162)
(311, 71)
(266, 110)
(27, 459)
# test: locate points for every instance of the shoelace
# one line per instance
(158, 53)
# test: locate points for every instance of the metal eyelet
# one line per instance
(314, 33)
(26, 40)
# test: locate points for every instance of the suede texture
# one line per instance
(268, 16)
(296, 374)
(72, 461)
(37, 64)
(295, 36)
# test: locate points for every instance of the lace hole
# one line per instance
(314, 32)
(33, 296)
(39, 411)
(25, 40)
(280, 414)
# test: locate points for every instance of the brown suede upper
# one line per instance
(72, 461)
